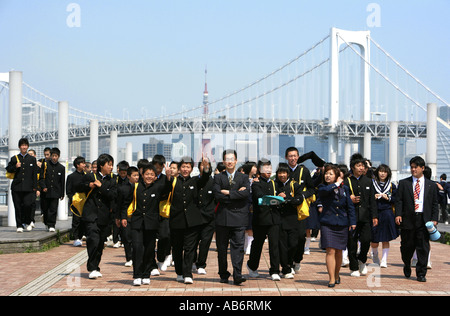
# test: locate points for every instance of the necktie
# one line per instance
(416, 195)
(230, 179)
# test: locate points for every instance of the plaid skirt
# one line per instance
(332, 236)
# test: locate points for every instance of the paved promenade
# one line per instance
(62, 272)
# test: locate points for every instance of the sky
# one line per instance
(124, 56)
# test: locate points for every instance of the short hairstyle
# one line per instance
(123, 165)
(55, 151)
(248, 166)
(176, 163)
(220, 166)
(289, 149)
(159, 160)
(142, 163)
(132, 169)
(77, 161)
(444, 177)
(417, 160)
(283, 167)
(24, 141)
(384, 168)
(229, 151)
(427, 172)
(200, 163)
(329, 167)
(104, 159)
(187, 160)
(356, 159)
(47, 149)
(32, 150)
(150, 166)
(263, 162)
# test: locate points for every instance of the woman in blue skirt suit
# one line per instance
(337, 217)
(386, 229)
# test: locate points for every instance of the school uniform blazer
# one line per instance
(147, 204)
(232, 209)
(185, 210)
(288, 210)
(206, 201)
(404, 205)
(366, 209)
(98, 207)
(52, 177)
(264, 214)
(338, 209)
(25, 178)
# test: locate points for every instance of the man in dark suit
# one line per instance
(416, 204)
(231, 190)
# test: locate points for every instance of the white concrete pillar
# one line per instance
(347, 152)
(393, 150)
(113, 147)
(93, 140)
(368, 146)
(140, 155)
(431, 157)
(129, 153)
(63, 145)
(333, 144)
(15, 129)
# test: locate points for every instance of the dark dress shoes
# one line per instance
(421, 279)
(238, 281)
(407, 271)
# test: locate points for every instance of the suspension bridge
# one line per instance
(346, 89)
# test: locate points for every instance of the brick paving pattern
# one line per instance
(19, 270)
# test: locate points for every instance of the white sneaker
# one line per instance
(29, 228)
(51, 229)
(307, 252)
(166, 263)
(362, 268)
(355, 274)
(188, 280)
(95, 274)
(288, 276)
(275, 277)
(77, 243)
(155, 272)
(117, 245)
(383, 264)
(251, 273)
(129, 263)
(19, 230)
(201, 271)
(180, 278)
(137, 282)
(297, 267)
(146, 281)
(32, 224)
(429, 265)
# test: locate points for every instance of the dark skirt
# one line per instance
(333, 236)
(386, 230)
(312, 222)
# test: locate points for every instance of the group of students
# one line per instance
(354, 209)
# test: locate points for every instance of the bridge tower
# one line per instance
(339, 37)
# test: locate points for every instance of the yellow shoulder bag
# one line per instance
(303, 209)
(10, 175)
(164, 206)
(78, 201)
(132, 206)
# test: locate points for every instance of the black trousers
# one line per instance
(259, 235)
(416, 239)
(163, 248)
(125, 233)
(23, 204)
(235, 237)
(204, 242)
(77, 227)
(300, 249)
(184, 244)
(288, 246)
(363, 233)
(144, 243)
(95, 238)
(50, 210)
